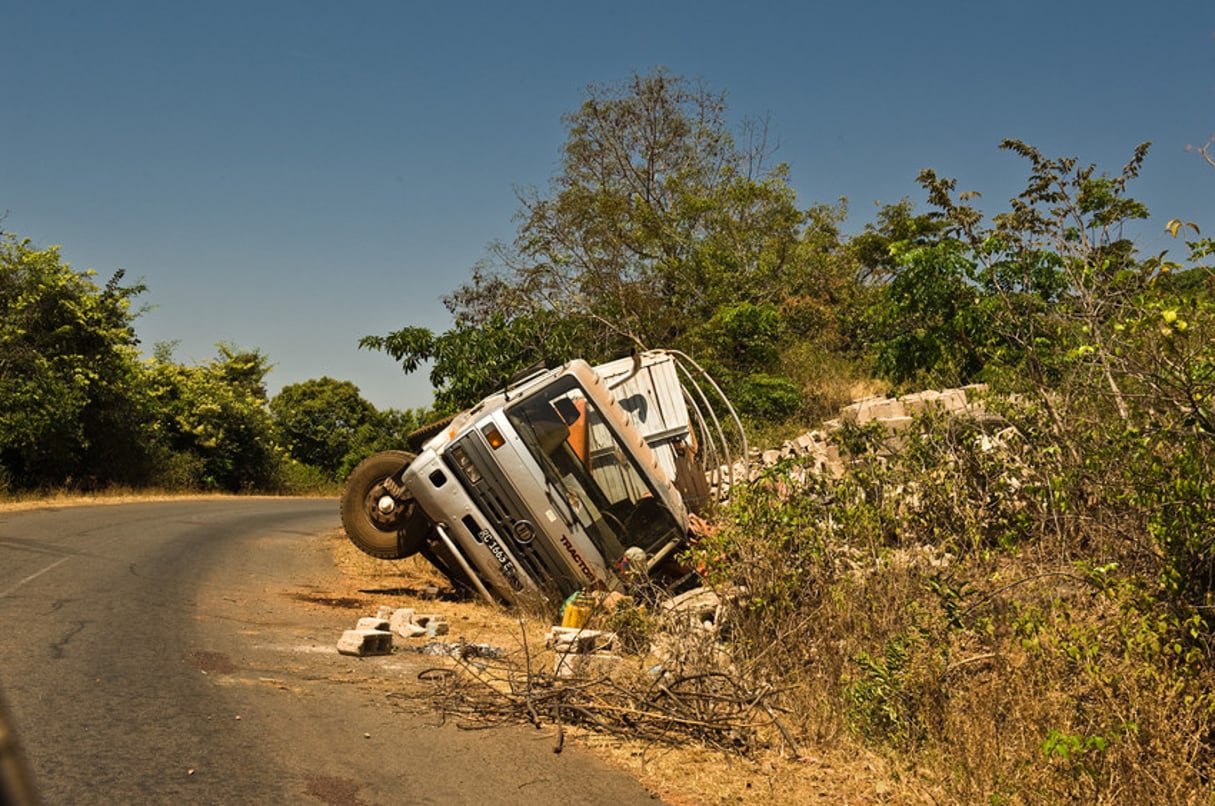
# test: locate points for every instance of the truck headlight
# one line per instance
(470, 471)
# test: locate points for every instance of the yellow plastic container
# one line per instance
(577, 612)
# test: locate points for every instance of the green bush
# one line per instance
(766, 397)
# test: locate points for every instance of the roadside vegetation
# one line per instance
(81, 410)
(1020, 610)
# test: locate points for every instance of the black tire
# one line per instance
(416, 439)
(388, 533)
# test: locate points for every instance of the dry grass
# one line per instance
(685, 772)
(60, 499)
(923, 608)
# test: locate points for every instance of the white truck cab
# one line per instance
(562, 482)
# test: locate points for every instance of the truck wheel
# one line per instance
(383, 525)
(416, 439)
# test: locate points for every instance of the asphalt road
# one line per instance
(168, 653)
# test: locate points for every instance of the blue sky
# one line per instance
(290, 176)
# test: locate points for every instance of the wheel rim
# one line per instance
(385, 512)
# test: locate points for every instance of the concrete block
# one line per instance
(953, 400)
(400, 619)
(806, 443)
(373, 623)
(411, 631)
(878, 408)
(365, 642)
(569, 665)
(834, 463)
(697, 605)
(896, 425)
(919, 402)
(572, 640)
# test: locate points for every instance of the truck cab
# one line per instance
(574, 478)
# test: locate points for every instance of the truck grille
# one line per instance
(507, 516)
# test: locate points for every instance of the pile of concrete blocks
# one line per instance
(897, 412)
(689, 632)
(815, 451)
(581, 652)
(373, 635)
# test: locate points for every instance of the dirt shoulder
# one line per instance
(683, 773)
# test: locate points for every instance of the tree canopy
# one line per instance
(80, 407)
(659, 220)
(70, 392)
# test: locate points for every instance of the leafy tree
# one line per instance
(1114, 352)
(321, 421)
(877, 263)
(658, 216)
(216, 413)
(932, 318)
(70, 392)
(749, 334)
(1035, 290)
(658, 221)
(387, 430)
(470, 361)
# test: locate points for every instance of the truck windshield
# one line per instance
(593, 471)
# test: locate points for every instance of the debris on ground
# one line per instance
(373, 635)
(461, 650)
(581, 652)
(363, 642)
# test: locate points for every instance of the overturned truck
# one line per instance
(571, 478)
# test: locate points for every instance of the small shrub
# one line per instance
(296, 478)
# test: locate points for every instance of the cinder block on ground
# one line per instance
(570, 665)
(365, 642)
(833, 462)
(806, 443)
(950, 401)
(401, 619)
(579, 641)
(954, 400)
(373, 623)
